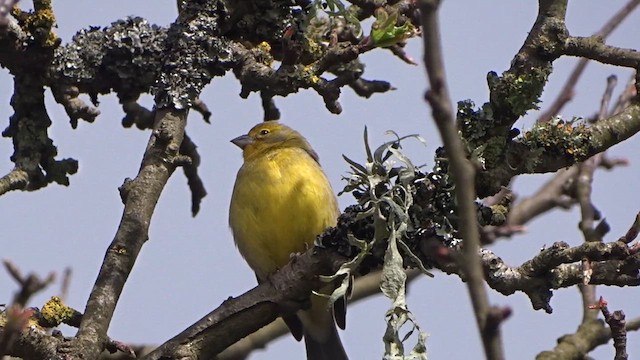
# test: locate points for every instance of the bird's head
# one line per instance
(271, 135)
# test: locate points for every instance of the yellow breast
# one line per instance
(281, 201)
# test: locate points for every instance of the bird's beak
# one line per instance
(242, 141)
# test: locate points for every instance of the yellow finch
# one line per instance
(281, 201)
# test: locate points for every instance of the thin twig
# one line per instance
(464, 175)
(617, 325)
(612, 81)
(30, 284)
(66, 284)
(587, 211)
(625, 98)
(585, 174)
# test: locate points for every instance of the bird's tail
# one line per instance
(320, 334)
(329, 348)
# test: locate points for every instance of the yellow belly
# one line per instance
(280, 203)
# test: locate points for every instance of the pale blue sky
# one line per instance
(190, 265)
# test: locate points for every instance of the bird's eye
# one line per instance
(264, 132)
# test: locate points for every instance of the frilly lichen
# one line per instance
(55, 312)
(560, 138)
(385, 193)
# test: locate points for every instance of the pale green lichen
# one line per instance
(386, 192)
(499, 213)
(518, 93)
(493, 153)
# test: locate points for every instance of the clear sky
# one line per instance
(190, 265)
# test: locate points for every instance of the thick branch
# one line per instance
(567, 92)
(595, 49)
(554, 193)
(602, 135)
(518, 89)
(558, 267)
(241, 316)
(14, 180)
(577, 345)
(589, 336)
(549, 147)
(363, 288)
(140, 197)
(29, 345)
(34, 153)
(257, 76)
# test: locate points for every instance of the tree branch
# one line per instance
(29, 285)
(33, 344)
(589, 336)
(363, 288)
(14, 180)
(140, 197)
(567, 92)
(557, 267)
(550, 147)
(463, 174)
(238, 317)
(617, 325)
(595, 49)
